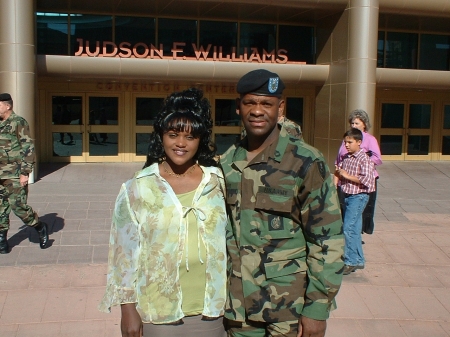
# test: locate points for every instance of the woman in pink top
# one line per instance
(360, 119)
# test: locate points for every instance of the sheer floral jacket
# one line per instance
(148, 238)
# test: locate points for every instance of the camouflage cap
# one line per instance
(5, 97)
(260, 82)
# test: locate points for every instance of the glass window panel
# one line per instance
(175, 30)
(134, 30)
(226, 113)
(391, 145)
(74, 147)
(380, 49)
(52, 33)
(446, 145)
(300, 48)
(108, 146)
(392, 115)
(147, 109)
(419, 116)
(67, 110)
(447, 117)
(259, 36)
(434, 52)
(142, 142)
(103, 110)
(418, 145)
(401, 50)
(90, 28)
(69, 140)
(218, 34)
(294, 110)
(224, 141)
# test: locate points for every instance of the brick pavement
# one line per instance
(402, 292)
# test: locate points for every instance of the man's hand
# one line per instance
(308, 327)
(23, 180)
(131, 323)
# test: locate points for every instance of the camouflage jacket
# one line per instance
(17, 154)
(284, 233)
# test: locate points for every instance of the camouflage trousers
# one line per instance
(261, 329)
(14, 197)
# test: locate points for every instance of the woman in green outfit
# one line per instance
(167, 257)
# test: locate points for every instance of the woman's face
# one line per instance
(180, 147)
(358, 124)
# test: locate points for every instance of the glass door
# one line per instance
(67, 127)
(294, 111)
(85, 128)
(405, 132)
(102, 128)
(227, 128)
(145, 110)
(445, 129)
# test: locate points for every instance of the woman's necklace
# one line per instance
(189, 170)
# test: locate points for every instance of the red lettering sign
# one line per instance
(211, 53)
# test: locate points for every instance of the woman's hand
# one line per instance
(131, 323)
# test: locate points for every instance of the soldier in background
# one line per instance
(284, 236)
(17, 158)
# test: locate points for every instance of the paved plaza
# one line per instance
(404, 291)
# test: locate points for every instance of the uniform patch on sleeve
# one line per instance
(321, 168)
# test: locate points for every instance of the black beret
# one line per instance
(260, 82)
(5, 97)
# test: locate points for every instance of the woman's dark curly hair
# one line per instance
(186, 111)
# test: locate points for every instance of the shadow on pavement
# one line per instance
(54, 222)
(48, 168)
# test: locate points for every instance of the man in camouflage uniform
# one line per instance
(17, 158)
(284, 239)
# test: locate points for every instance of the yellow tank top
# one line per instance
(192, 282)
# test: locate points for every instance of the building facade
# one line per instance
(89, 75)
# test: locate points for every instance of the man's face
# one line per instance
(4, 110)
(351, 144)
(259, 114)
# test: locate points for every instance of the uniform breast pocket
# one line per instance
(5, 148)
(276, 206)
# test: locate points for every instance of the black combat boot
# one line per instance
(42, 230)
(4, 247)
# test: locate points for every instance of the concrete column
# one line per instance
(17, 55)
(348, 43)
(330, 120)
(362, 55)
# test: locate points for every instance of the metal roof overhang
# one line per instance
(244, 9)
(73, 67)
(412, 79)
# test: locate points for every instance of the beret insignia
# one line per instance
(273, 85)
